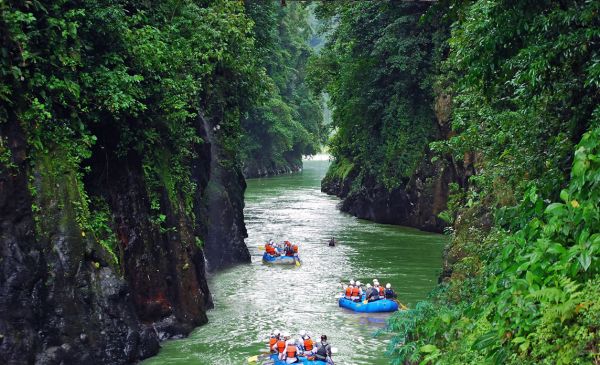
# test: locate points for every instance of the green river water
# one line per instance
(251, 300)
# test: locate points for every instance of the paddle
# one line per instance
(255, 358)
(261, 248)
(402, 306)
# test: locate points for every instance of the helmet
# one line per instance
(375, 281)
(358, 283)
(351, 282)
(368, 285)
(276, 332)
(302, 333)
(290, 342)
(388, 285)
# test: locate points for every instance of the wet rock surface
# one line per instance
(417, 204)
(63, 298)
(418, 201)
(265, 167)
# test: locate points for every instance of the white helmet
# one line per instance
(351, 282)
(302, 333)
(358, 283)
(388, 285)
(290, 342)
(368, 285)
(276, 332)
(375, 280)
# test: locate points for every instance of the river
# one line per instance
(251, 300)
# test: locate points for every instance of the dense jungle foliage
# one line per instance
(149, 74)
(521, 283)
(377, 67)
(287, 123)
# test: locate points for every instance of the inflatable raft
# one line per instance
(303, 360)
(281, 260)
(381, 305)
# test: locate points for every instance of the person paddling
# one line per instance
(323, 352)
(389, 292)
(332, 242)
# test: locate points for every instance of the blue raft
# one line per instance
(303, 360)
(378, 306)
(281, 260)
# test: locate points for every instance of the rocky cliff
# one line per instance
(262, 167)
(416, 202)
(109, 294)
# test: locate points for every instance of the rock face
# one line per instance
(57, 304)
(63, 298)
(222, 203)
(415, 204)
(267, 167)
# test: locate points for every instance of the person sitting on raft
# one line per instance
(270, 248)
(273, 341)
(357, 292)
(323, 352)
(281, 345)
(308, 345)
(291, 352)
(389, 293)
(379, 288)
(372, 293)
(347, 290)
(290, 249)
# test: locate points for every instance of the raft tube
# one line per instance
(280, 260)
(378, 306)
(303, 360)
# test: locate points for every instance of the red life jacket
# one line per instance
(272, 342)
(270, 249)
(308, 344)
(291, 351)
(355, 291)
(295, 247)
(348, 292)
(280, 346)
(381, 290)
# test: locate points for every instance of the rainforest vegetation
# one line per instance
(147, 72)
(521, 80)
(126, 129)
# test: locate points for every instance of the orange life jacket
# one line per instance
(295, 247)
(355, 291)
(308, 344)
(291, 351)
(280, 346)
(270, 249)
(349, 291)
(381, 290)
(272, 342)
